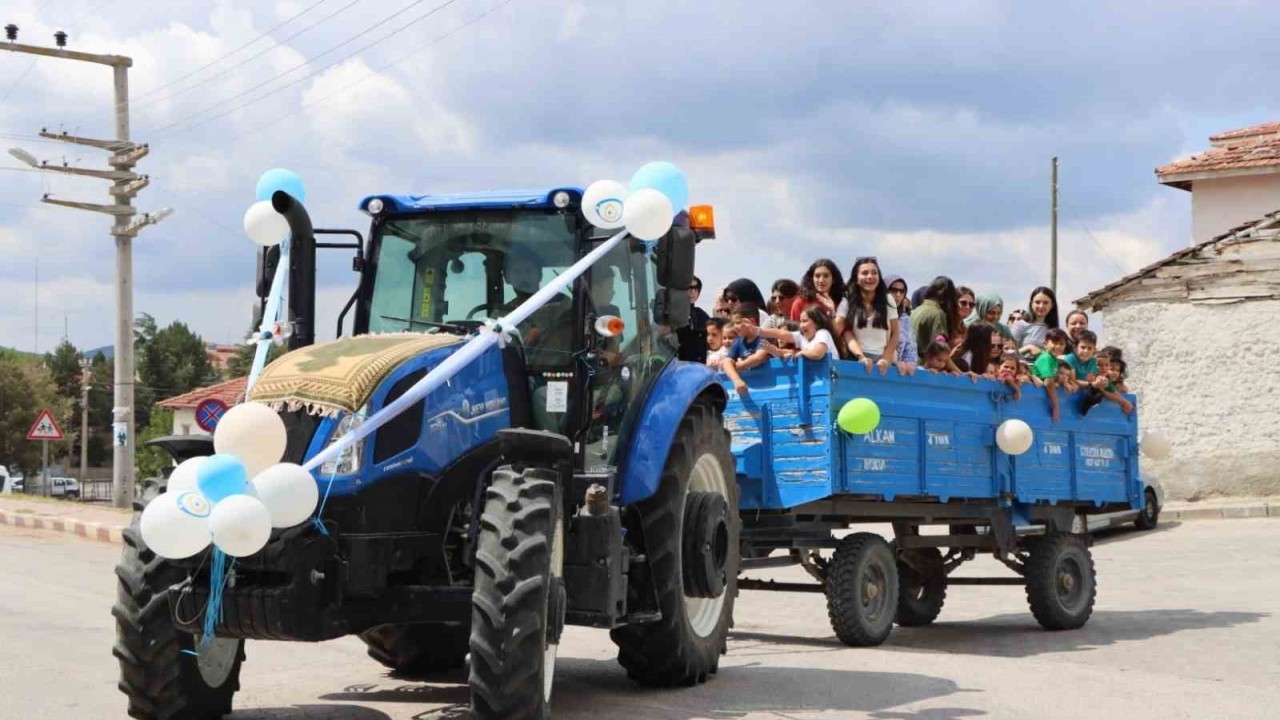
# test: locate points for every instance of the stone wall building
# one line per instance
(1204, 359)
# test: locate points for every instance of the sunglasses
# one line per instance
(898, 290)
(866, 258)
(966, 303)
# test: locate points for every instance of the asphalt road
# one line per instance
(1186, 626)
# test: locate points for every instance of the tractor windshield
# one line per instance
(450, 270)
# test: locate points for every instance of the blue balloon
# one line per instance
(666, 179)
(281, 179)
(222, 476)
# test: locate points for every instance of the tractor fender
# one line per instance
(679, 385)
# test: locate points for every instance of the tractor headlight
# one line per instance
(561, 199)
(374, 206)
(348, 461)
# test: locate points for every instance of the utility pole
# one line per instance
(1053, 233)
(86, 374)
(125, 185)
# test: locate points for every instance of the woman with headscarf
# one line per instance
(989, 309)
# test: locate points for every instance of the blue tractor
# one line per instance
(579, 474)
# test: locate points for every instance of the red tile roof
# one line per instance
(1238, 152)
(229, 392)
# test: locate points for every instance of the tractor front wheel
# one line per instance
(690, 528)
(518, 605)
(162, 671)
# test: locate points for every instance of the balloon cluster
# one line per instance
(234, 497)
(263, 224)
(658, 191)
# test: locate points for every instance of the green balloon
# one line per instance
(859, 416)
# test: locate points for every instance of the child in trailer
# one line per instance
(749, 348)
(1105, 386)
(1046, 368)
(816, 336)
(717, 345)
(936, 358)
(1009, 372)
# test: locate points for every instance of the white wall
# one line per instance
(1223, 203)
(184, 422)
(1208, 376)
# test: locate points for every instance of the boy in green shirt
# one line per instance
(1045, 369)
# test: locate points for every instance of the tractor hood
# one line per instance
(351, 379)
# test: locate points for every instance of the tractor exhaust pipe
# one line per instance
(302, 269)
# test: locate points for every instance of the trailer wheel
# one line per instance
(1150, 515)
(862, 590)
(519, 600)
(690, 529)
(420, 648)
(157, 672)
(922, 591)
(1061, 583)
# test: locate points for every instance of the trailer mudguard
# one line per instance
(669, 399)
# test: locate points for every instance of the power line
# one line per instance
(268, 81)
(280, 43)
(1100, 246)
(86, 14)
(19, 80)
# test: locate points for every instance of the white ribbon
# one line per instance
(269, 317)
(472, 349)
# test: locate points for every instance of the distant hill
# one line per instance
(108, 352)
(18, 355)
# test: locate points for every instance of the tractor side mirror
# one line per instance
(675, 252)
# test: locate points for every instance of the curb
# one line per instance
(80, 528)
(1224, 512)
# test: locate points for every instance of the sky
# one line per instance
(921, 133)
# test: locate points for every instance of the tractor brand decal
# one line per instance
(880, 437)
(428, 287)
(1050, 448)
(941, 439)
(469, 413)
(1097, 457)
(397, 464)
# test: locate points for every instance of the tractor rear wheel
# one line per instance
(518, 605)
(1061, 582)
(419, 649)
(158, 671)
(690, 528)
(862, 590)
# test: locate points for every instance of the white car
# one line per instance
(1144, 519)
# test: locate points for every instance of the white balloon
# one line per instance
(240, 525)
(1014, 437)
(254, 433)
(647, 214)
(183, 478)
(264, 225)
(1156, 446)
(176, 525)
(603, 203)
(289, 492)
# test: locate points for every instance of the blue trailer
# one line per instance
(933, 469)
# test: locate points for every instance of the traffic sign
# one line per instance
(45, 428)
(209, 412)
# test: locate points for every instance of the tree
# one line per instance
(101, 401)
(25, 390)
(64, 366)
(171, 360)
(241, 363)
(151, 461)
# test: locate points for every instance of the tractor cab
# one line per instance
(451, 263)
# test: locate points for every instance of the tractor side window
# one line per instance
(393, 288)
